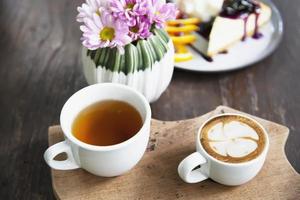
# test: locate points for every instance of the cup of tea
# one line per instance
(106, 128)
(231, 150)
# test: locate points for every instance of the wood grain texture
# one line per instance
(40, 68)
(155, 176)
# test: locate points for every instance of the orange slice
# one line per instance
(184, 39)
(181, 29)
(180, 49)
(182, 57)
(192, 20)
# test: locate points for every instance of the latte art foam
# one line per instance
(232, 139)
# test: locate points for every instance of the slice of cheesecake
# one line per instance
(236, 20)
(226, 31)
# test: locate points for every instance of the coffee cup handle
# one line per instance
(56, 149)
(187, 171)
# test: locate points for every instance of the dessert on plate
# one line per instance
(225, 22)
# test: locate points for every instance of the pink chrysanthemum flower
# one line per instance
(161, 12)
(104, 31)
(141, 30)
(115, 23)
(127, 10)
(89, 8)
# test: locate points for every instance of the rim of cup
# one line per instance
(266, 146)
(84, 145)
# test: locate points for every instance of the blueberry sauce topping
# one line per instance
(242, 9)
(239, 8)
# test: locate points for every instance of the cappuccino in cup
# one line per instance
(231, 150)
(232, 139)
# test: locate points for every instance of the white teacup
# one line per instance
(106, 161)
(222, 172)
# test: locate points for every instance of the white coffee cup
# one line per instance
(106, 161)
(222, 172)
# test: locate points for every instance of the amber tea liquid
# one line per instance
(106, 123)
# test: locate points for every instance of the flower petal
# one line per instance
(97, 21)
(91, 25)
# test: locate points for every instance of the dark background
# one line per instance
(40, 68)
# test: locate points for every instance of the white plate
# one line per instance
(244, 53)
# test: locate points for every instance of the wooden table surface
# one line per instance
(40, 68)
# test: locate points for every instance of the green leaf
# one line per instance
(122, 67)
(145, 55)
(106, 56)
(163, 34)
(116, 65)
(111, 60)
(93, 52)
(152, 50)
(140, 57)
(97, 56)
(101, 57)
(128, 58)
(158, 48)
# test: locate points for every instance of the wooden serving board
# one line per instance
(155, 176)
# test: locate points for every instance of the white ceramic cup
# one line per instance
(222, 172)
(106, 161)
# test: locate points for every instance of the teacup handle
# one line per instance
(54, 150)
(187, 171)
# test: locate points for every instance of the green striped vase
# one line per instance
(146, 65)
